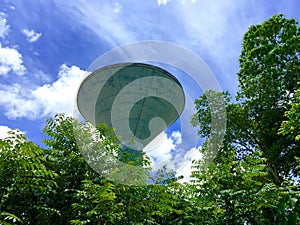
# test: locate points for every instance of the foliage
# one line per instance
(232, 191)
(291, 127)
(252, 179)
(269, 71)
(25, 182)
(270, 67)
(57, 186)
(260, 147)
(238, 191)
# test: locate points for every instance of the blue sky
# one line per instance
(46, 46)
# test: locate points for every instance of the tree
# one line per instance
(269, 71)
(249, 178)
(79, 186)
(290, 128)
(254, 139)
(56, 185)
(233, 191)
(25, 182)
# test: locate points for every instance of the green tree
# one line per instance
(84, 196)
(269, 71)
(265, 192)
(233, 191)
(25, 182)
(290, 127)
(249, 178)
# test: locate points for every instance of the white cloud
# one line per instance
(159, 149)
(162, 2)
(16, 103)
(4, 131)
(176, 135)
(42, 77)
(102, 18)
(213, 31)
(166, 151)
(31, 35)
(48, 99)
(117, 7)
(184, 162)
(11, 61)
(165, 2)
(4, 27)
(60, 95)
(216, 29)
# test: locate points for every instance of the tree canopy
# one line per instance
(254, 178)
